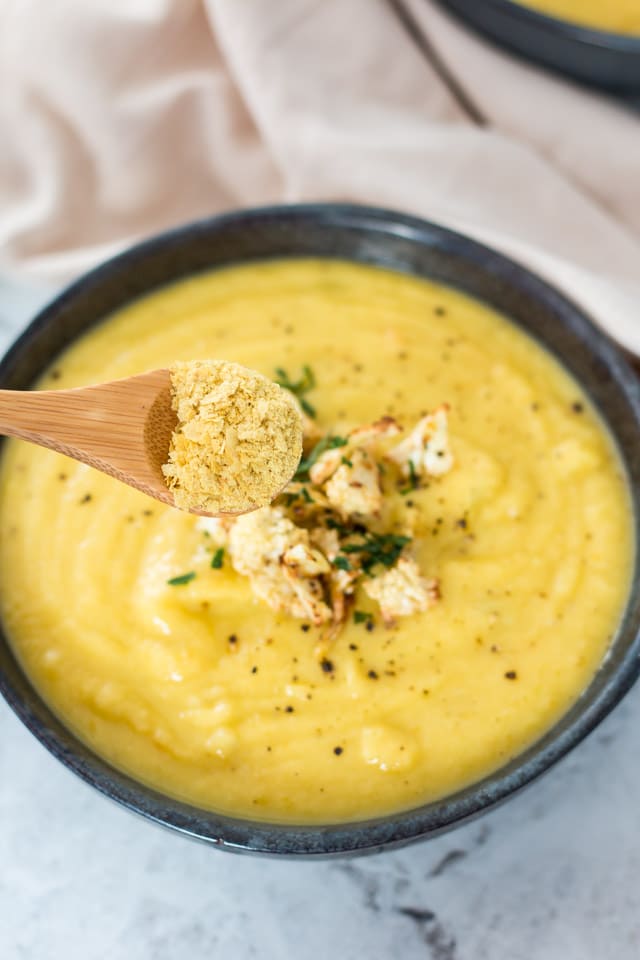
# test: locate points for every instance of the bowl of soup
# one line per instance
(152, 666)
(589, 40)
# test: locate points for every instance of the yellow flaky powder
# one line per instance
(238, 440)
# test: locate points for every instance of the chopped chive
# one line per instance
(299, 387)
(182, 579)
(342, 563)
(414, 479)
(347, 462)
(217, 559)
(382, 549)
(362, 616)
(326, 443)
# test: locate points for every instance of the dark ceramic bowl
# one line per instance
(411, 246)
(608, 60)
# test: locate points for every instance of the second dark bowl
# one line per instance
(608, 60)
(411, 246)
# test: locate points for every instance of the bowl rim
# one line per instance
(393, 830)
(567, 29)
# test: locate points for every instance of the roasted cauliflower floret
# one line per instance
(342, 583)
(303, 560)
(371, 433)
(285, 593)
(426, 449)
(262, 537)
(308, 554)
(328, 541)
(308, 599)
(402, 590)
(280, 562)
(216, 528)
(354, 488)
(361, 438)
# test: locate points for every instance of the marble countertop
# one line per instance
(552, 875)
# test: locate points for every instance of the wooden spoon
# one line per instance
(122, 428)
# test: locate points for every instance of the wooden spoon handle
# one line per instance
(112, 427)
(51, 418)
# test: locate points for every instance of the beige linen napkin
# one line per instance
(122, 117)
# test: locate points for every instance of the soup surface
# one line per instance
(613, 16)
(198, 688)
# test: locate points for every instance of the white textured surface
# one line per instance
(553, 875)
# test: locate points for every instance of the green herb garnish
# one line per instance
(362, 616)
(182, 579)
(293, 495)
(347, 462)
(414, 479)
(299, 387)
(326, 443)
(218, 559)
(378, 549)
(332, 524)
(342, 563)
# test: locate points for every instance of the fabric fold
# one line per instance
(120, 119)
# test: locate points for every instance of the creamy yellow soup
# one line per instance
(201, 690)
(613, 16)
